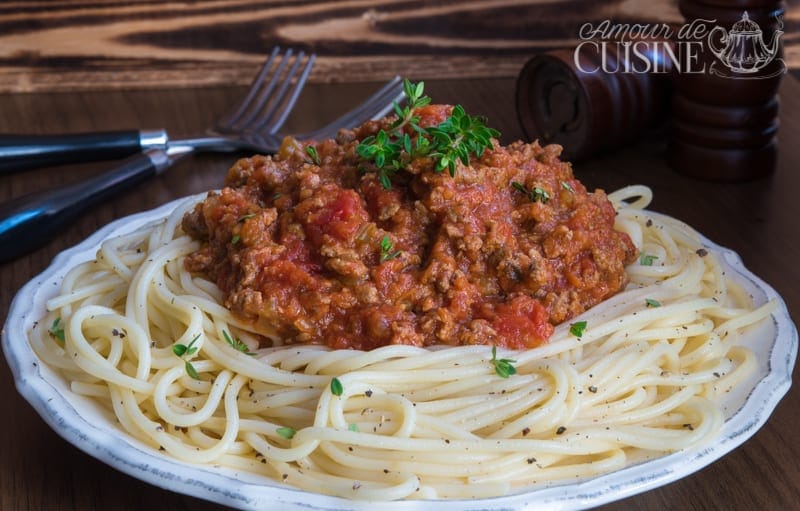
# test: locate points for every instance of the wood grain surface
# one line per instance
(39, 471)
(114, 44)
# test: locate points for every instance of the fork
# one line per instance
(271, 96)
(29, 221)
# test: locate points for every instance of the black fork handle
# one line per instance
(29, 221)
(22, 152)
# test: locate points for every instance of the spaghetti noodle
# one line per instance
(636, 376)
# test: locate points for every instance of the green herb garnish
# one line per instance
(182, 350)
(387, 249)
(502, 366)
(455, 139)
(236, 344)
(458, 137)
(191, 371)
(652, 303)
(647, 259)
(286, 432)
(336, 387)
(568, 187)
(311, 151)
(56, 330)
(535, 194)
(235, 239)
(577, 329)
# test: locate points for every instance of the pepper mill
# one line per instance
(724, 107)
(594, 100)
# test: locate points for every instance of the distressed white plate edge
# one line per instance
(117, 449)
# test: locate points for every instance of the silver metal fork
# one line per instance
(263, 110)
(29, 221)
(255, 123)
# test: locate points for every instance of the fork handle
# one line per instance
(29, 221)
(21, 152)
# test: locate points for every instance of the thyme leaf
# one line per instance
(578, 328)
(502, 366)
(650, 302)
(56, 330)
(336, 387)
(286, 432)
(647, 259)
(191, 371)
(311, 151)
(387, 249)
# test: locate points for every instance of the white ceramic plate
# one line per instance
(82, 423)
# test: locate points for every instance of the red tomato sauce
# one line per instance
(323, 253)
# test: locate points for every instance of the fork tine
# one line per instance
(285, 99)
(266, 98)
(234, 116)
(377, 105)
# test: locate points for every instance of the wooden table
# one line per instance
(759, 220)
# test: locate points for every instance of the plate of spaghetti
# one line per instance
(407, 313)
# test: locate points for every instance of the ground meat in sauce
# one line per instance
(474, 260)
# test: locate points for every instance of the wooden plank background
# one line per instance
(114, 44)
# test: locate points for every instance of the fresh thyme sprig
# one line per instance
(535, 194)
(181, 350)
(458, 137)
(236, 344)
(502, 366)
(391, 151)
(415, 99)
(455, 139)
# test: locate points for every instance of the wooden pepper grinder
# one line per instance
(593, 100)
(724, 106)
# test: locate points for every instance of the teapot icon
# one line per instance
(745, 50)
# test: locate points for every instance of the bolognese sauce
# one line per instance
(323, 252)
